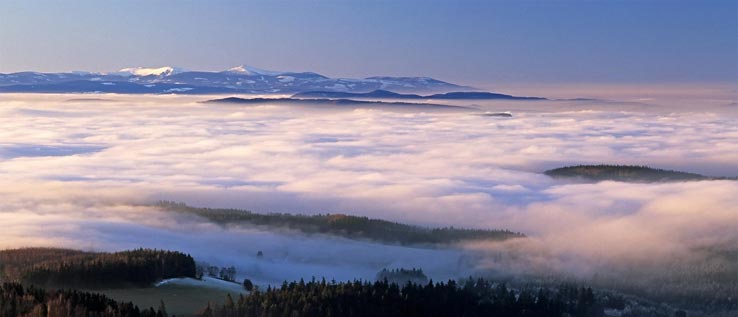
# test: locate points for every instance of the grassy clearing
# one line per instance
(180, 299)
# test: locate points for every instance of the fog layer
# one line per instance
(77, 174)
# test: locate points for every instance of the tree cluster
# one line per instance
(401, 276)
(223, 273)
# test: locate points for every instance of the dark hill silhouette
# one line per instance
(337, 102)
(352, 227)
(384, 94)
(626, 173)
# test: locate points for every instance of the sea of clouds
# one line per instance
(78, 172)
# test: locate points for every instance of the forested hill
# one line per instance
(625, 173)
(17, 300)
(77, 269)
(352, 227)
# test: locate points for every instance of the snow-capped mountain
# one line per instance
(239, 79)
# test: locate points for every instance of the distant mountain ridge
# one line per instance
(379, 93)
(338, 102)
(240, 79)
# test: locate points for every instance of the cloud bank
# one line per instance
(77, 173)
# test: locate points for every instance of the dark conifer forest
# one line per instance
(76, 269)
(381, 298)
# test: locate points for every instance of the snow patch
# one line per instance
(205, 282)
(286, 79)
(143, 71)
(248, 70)
(337, 87)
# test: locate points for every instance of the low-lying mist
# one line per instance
(80, 174)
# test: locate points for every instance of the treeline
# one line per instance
(353, 227)
(17, 300)
(381, 298)
(624, 173)
(76, 269)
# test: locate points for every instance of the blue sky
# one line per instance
(463, 41)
